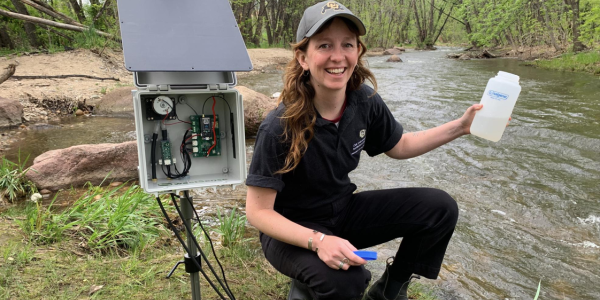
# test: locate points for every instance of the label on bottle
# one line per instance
(497, 95)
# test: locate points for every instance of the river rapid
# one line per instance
(529, 204)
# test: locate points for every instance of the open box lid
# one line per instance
(165, 37)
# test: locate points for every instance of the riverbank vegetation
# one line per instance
(577, 62)
(562, 25)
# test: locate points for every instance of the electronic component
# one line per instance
(160, 108)
(206, 136)
(165, 148)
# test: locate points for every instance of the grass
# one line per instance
(575, 62)
(13, 183)
(231, 228)
(115, 240)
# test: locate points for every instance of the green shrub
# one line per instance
(13, 183)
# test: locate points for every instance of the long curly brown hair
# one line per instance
(299, 115)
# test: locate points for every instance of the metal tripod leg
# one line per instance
(187, 211)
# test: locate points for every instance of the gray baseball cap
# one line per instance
(315, 16)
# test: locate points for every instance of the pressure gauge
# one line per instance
(162, 105)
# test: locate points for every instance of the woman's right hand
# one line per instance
(333, 250)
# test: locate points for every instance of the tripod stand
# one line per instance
(191, 259)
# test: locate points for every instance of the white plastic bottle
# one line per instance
(498, 101)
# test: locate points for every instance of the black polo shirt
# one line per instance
(320, 182)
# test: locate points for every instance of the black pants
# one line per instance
(424, 217)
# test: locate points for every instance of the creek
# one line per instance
(529, 204)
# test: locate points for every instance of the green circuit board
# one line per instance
(203, 136)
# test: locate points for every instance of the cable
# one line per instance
(213, 128)
(230, 119)
(153, 150)
(212, 247)
(227, 290)
(191, 108)
(162, 208)
(218, 96)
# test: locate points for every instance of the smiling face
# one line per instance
(331, 56)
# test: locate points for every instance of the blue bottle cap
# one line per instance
(366, 255)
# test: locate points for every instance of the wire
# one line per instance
(176, 116)
(218, 96)
(213, 128)
(212, 247)
(191, 108)
(227, 290)
(164, 212)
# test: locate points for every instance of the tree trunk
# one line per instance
(513, 44)
(99, 14)
(5, 41)
(78, 11)
(577, 45)
(549, 27)
(262, 14)
(29, 27)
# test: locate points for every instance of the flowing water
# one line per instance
(529, 204)
(70, 132)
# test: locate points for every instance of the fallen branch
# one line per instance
(43, 21)
(65, 76)
(10, 70)
(52, 12)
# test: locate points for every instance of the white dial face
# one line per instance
(162, 105)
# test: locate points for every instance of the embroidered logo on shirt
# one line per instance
(358, 146)
(362, 133)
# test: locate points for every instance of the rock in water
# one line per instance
(256, 108)
(74, 166)
(394, 58)
(115, 103)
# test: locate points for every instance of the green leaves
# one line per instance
(13, 183)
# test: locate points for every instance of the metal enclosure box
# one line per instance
(183, 55)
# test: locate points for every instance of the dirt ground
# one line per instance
(108, 64)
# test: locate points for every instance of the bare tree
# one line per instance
(29, 27)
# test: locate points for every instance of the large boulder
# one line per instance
(116, 103)
(74, 166)
(256, 108)
(11, 113)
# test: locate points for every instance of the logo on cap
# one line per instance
(331, 5)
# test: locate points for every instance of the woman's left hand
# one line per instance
(467, 118)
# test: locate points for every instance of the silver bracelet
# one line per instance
(310, 243)
(322, 237)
